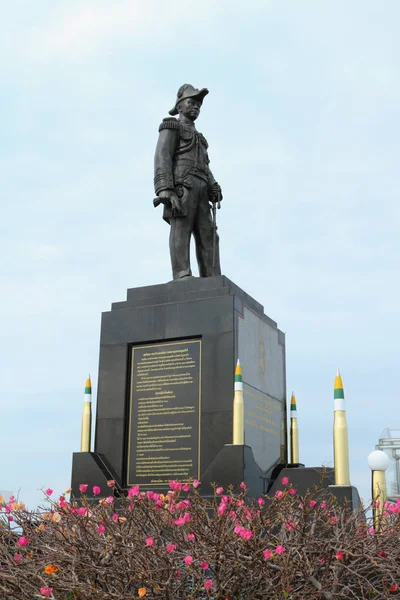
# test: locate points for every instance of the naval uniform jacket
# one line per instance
(181, 154)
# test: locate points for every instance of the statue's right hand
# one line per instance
(165, 193)
(173, 199)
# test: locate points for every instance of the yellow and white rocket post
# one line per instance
(294, 432)
(87, 418)
(238, 408)
(340, 435)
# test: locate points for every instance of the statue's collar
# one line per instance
(187, 122)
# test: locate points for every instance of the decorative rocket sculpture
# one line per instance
(340, 435)
(238, 408)
(294, 432)
(87, 418)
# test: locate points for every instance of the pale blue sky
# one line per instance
(303, 124)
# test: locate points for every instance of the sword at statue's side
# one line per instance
(214, 219)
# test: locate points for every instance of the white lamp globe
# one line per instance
(378, 461)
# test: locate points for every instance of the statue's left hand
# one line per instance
(215, 193)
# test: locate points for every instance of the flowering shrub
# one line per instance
(181, 545)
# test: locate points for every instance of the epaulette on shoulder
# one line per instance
(169, 123)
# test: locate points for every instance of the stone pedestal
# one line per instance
(304, 479)
(165, 387)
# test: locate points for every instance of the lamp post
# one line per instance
(378, 462)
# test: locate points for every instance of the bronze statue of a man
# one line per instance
(185, 185)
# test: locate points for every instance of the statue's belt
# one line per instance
(193, 166)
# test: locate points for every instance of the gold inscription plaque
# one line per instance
(164, 421)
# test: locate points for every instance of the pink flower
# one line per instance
(221, 508)
(371, 531)
(261, 502)
(82, 511)
(48, 492)
(10, 518)
(339, 555)
(134, 491)
(285, 480)
(23, 541)
(243, 486)
(290, 525)
(204, 565)
(175, 485)
(182, 520)
(46, 591)
(115, 517)
(280, 549)
(248, 514)
(101, 529)
(191, 537)
(186, 487)
(323, 505)
(244, 533)
(196, 483)
(208, 584)
(292, 491)
(149, 541)
(170, 548)
(312, 503)
(111, 483)
(109, 500)
(279, 494)
(188, 560)
(83, 487)
(17, 557)
(220, 490)
(96, 490)
(267, 554)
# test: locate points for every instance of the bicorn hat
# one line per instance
(188, 91)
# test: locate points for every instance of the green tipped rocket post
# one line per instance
(340, 435)
(294, 432)
(86, 433)
(238, 408)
